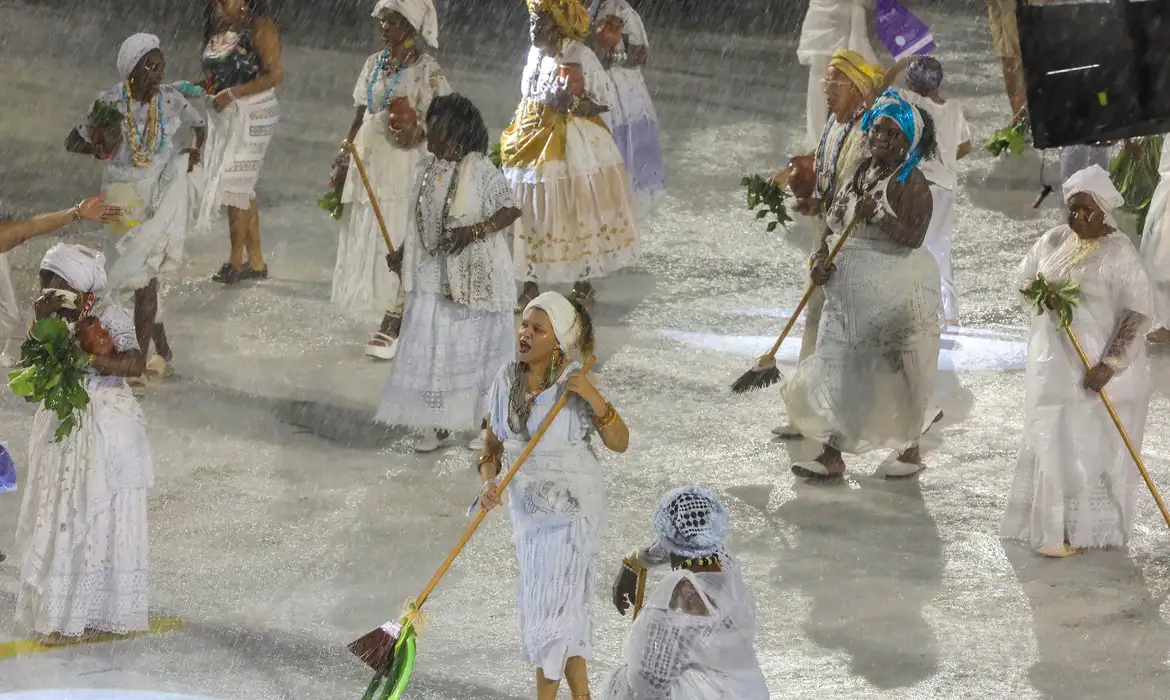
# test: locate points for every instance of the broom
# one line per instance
(390, 649)
(766, 373)
(361, 168)
(1062, 303)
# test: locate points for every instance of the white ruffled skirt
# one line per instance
(578, 219)
(82, 533)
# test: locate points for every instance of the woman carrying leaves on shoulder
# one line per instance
(82, 527)
(12, 234)
(870, 381)
(1075, 484)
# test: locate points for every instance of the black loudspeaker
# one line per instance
(1096, 71)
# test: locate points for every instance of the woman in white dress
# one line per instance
(392, 96)
(82, 534)
(830, 25)
(695, 637)
(1076, 484)
(924, 76)
(623, 47)
(1156, 248)
(868, 385)
(568, 174)
(458, 328)
(156, 187)
(557, 500)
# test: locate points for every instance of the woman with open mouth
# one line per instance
(557, 501)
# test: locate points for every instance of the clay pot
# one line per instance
(400, 114)
(609, 35)
(93, 338)
(803, 179)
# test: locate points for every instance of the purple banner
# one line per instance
(901, 31)
(7, 472)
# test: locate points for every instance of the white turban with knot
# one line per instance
(133, 50)
(563, 317)
(420, 13)
(691, 522)
(83, 268)
(1095, 181)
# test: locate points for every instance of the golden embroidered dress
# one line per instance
(568, 175)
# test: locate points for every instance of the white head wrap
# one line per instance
(132, 51)
(83, 268)
(563, 317)
(1095, 181)
(420, 13)
(691, 522)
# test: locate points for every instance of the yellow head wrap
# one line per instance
(570, 15)
(868, 78)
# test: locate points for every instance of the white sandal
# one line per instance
(382, 347)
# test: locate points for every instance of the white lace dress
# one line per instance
(1156, 240)
(159, 200)
(361, 281)
(578, 218)
(673, 654)
(1074, 477)
(869, 383)
(557, 507)
(632, 117)
(458, 328)
(82, 533)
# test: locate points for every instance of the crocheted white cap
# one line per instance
(691, 522)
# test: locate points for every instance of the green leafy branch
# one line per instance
(1135, 174)
(331, 203)
(52, 373)
(1061, 298)
(763, 192)
(105, 115)
(1012, 138)
(494, 154)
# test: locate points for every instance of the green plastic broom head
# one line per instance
(392, 685)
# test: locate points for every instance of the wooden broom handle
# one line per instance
(544, 426)
(1137, 458)
(808, 292)
(361, 168)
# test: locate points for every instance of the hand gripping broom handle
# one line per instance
(544, 426)
(808, 292)
(361, 168)
(1137, 458)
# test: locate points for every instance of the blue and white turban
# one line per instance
(691, 522)
(891, 104)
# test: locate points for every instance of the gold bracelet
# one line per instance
(634, 563)
(607, 419)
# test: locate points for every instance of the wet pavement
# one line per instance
(284, 523)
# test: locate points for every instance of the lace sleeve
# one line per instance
(360, 88)
(660, 643)
(120, 326)
(1132, 325)
(495, 189)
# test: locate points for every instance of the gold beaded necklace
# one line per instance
(142, 144)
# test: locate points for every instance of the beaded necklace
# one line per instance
(381, 68)
(430, 179)
(827, 176)
(153, 137)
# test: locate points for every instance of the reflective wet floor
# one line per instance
(284, 523)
